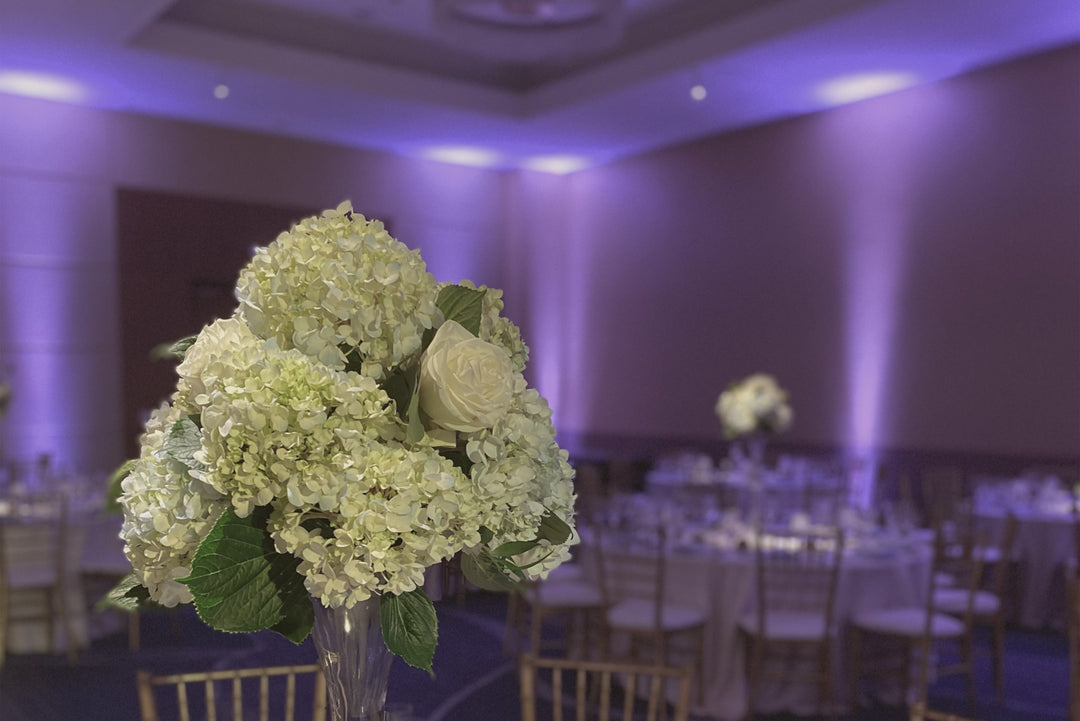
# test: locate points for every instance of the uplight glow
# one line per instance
(556, 164)
(41, 85)
(849, 88)
(463, 155)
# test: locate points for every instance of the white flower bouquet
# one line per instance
(352, 424)
(754, 405)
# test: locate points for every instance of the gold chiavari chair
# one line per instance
(920, 709)
(639, 604)
(603, 690)
(920, 629)
(919, 712)
(796, 581)
(988, 606)
(38, 575)
(1072, 622)
(942, 492)
(221, 694)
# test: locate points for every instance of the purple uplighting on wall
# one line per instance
(874, 268)
(875, 265)
(40, 298)
(883, 152)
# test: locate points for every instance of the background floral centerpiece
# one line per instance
(352, 424)
(754, 405)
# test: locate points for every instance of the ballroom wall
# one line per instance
(908, 266)
(61, 168)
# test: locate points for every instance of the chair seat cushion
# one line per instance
(638, 614)
(944, 579)
(908, 622)
(954, 600)
(786, 625)
(566, 594)
(565, 572)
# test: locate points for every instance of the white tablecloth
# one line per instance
(1044, 545)
(722, 584)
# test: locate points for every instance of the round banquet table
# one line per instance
(722, 583)
(1044, 545)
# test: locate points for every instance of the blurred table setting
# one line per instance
(1044, 542)
(711, 535)
(56, 537)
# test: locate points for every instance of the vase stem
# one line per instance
(354, 660)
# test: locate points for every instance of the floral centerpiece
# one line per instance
(754, 405)
(351, 425)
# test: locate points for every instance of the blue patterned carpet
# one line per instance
(473, 680)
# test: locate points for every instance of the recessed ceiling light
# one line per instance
(221, 91)
(698, 92)
(41, 85)
(849, 88)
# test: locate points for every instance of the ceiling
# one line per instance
(550, 84)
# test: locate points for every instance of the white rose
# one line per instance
(466, 384)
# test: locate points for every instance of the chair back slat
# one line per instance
(181, 701)
(593, 694)
(275, 689)
(211, 701)
(1003, 568)
(557, 692)
(633, 565)
(290, 697)
(1072, 625)
(797, 572)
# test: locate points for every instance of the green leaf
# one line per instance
(183, 441)
(353, 360)
(127, 595)
(402, 386)
(410, 627)
(241, 584)
(513, 548)
(486, 534)
(486, 571)
(178, 349)
(414, 431)
(461, 304)
(113, 488)
(460, 459)
(554, 529)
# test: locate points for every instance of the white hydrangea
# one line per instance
(520, 474)
(403, 511)
(276, 424)
(337, 284)
(167, 512)
(756, 404)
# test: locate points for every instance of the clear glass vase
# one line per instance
(754, 451)
(354, 660)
